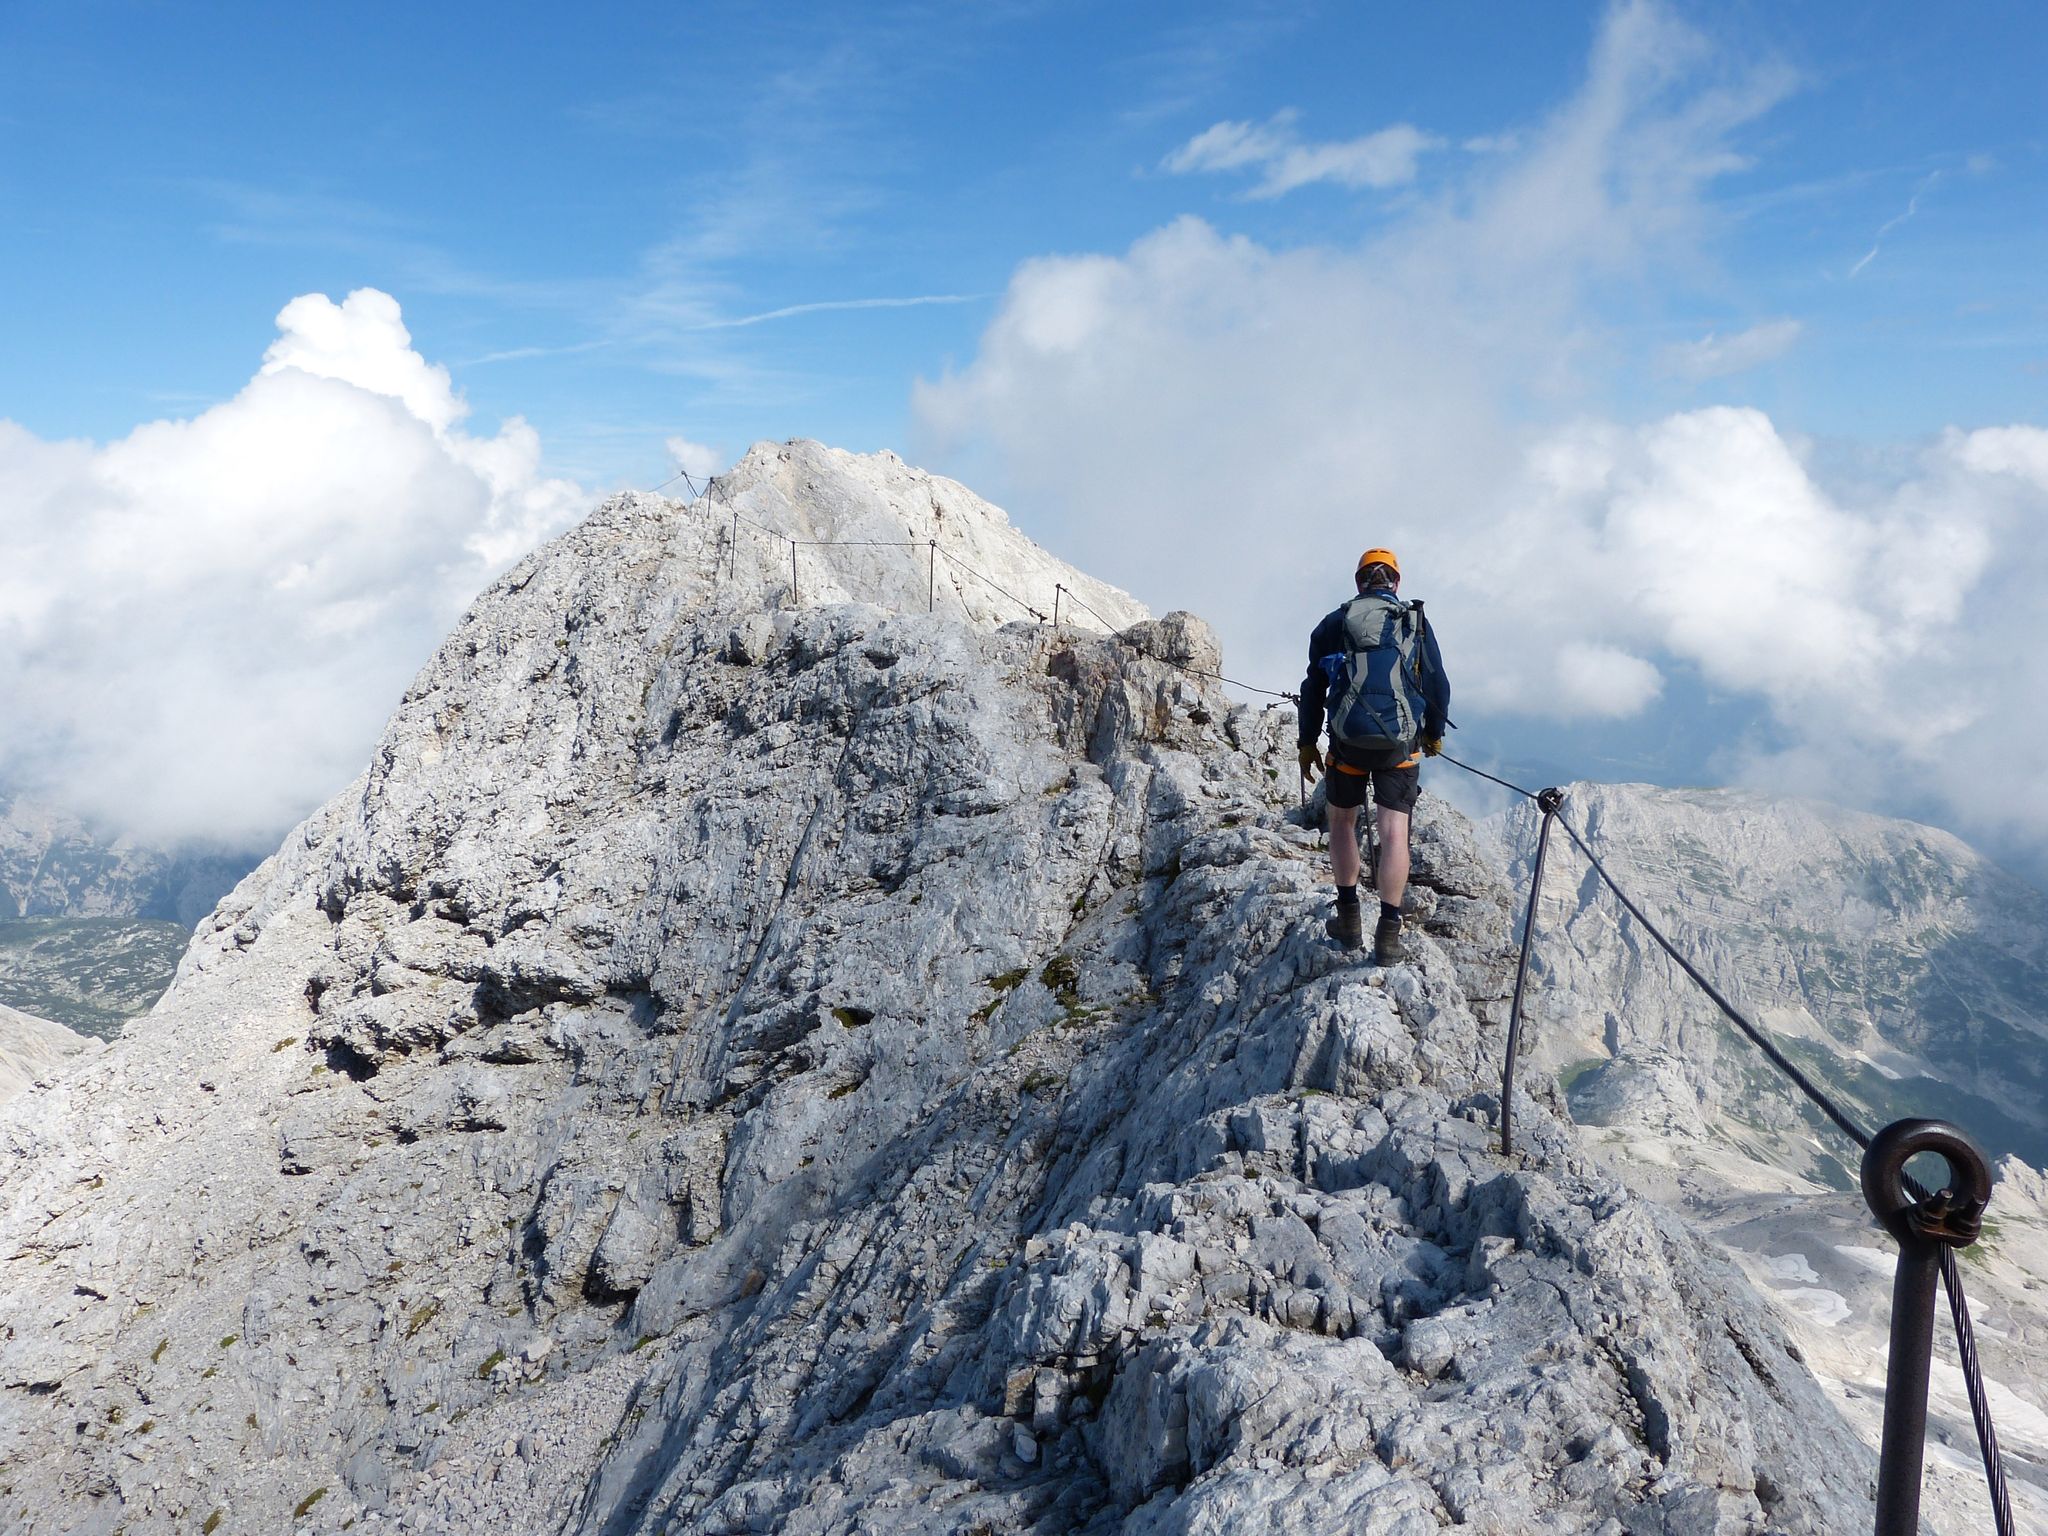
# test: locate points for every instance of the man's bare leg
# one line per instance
(1344, 845)
(1393, 880)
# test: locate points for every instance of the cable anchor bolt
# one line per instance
(1924, 1225)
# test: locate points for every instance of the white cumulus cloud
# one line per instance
(1603, 681)
(1223, 425)
(1856, 625)
(204, 624)
(1389, 158)
(696, 460)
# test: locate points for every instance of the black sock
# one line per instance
(1390, 916)
(1347, 895)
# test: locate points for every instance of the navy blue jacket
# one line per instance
(1329, 640)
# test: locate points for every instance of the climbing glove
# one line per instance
(1311, 761)
(1431, 745)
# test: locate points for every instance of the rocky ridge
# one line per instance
(731, 1066)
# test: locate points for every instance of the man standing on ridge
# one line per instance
(1374, 661)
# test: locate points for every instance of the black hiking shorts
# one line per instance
(1396, 779)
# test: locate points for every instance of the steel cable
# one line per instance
(1123, 637)
(1819, 1097)
(988, 581)
(1526, 794)
(1980, 1400)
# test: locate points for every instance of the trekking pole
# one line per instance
(1923, 1225)
(1550, 800)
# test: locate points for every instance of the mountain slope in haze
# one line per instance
(1907, 974)
(52, 865)
(91, 926)
(92, 974)
(734, 1064)
(32, 1048)
(1907, 970)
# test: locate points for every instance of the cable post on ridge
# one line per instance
(1927, 1228)
(1551, 801)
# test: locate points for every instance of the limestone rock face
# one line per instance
(838, 1060)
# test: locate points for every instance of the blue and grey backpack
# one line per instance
(1376, 702)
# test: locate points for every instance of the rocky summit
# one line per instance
(781, 1039)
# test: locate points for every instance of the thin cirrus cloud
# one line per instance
(1389, 158)
(1893, 223)
(825, 306)
(1714, 356)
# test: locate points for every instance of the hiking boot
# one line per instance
(1387, 948)
(1348, 926)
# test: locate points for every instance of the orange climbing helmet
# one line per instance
(1374, 557)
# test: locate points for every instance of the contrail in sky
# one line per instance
(1912, 207)
(811, 309)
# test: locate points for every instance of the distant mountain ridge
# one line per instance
(92, 924)
(1905, 972)
(52, 864)
(1907, 969)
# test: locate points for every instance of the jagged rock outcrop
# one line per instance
(731, 1066)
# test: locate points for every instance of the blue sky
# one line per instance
(1698, 354)
(527, 182)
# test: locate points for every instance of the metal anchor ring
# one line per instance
(1952, 1216)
